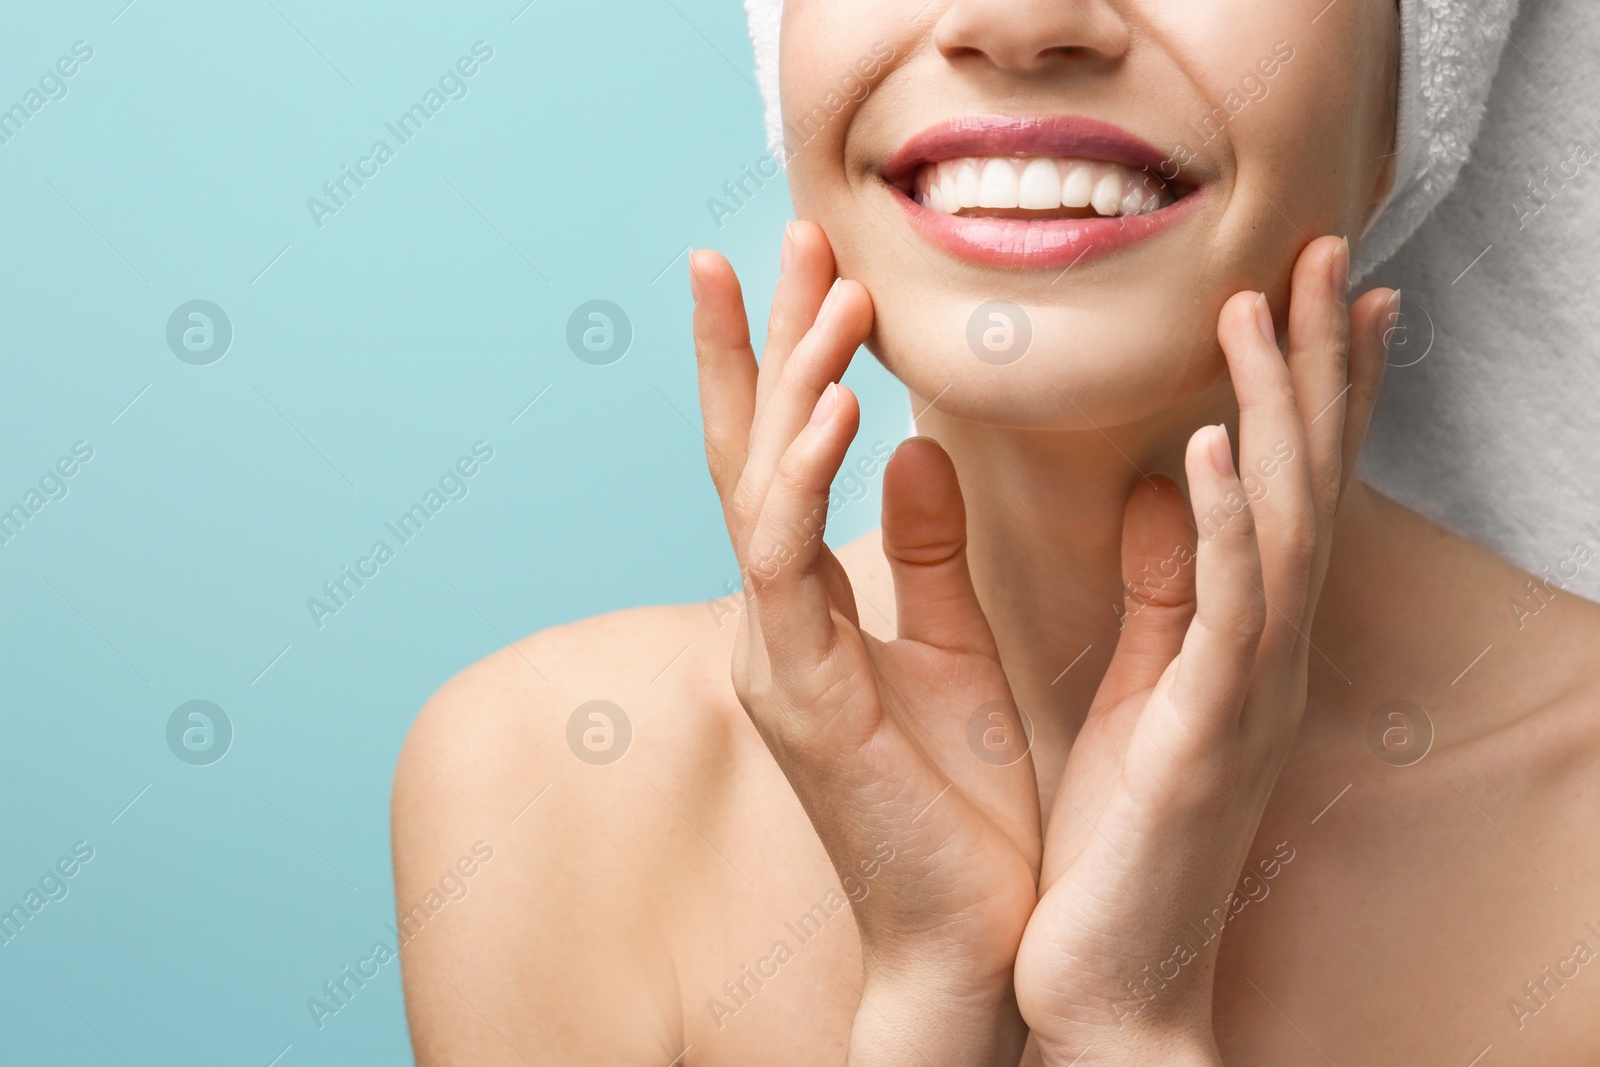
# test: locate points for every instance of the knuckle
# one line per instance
(752, 677)
(1230, 522)
(782, 322)
(792, 469)
(744, 506)
(1296, 546)
(720, 468)
(1364, 387)
(1267, 390)
(1300, 540)
(1330, 482)
(1237, 622)
(1326, 476)
(1295, 533)
(762, 572)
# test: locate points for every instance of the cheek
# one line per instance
(1333, 81)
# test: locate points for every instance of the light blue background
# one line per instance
(366, 359)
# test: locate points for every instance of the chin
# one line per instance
(1121, 362)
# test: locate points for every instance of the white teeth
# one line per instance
(1041, 185)
(998, 187)
(1078, 188)
(1037, 184)
(1107, 198)
(947, 189)
(966, 182)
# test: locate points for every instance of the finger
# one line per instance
(1273, 453)
(1319, 344)
(1373, 320)
(807, 271)
(821, 357)
(1219, 652)
(788, 590)
(727, 366)
(1158, 555)
(841, 595)
(925, 541)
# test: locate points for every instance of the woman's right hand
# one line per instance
(910, 748)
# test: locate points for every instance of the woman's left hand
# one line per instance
(1167, 781)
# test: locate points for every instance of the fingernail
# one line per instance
(787, 253)
(694, 278)
(830, 303)
(826, 403)
(1340, 274)
(1389, 321)
(1264, 320)
(1222, 452)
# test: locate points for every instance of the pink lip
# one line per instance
(1032, 243)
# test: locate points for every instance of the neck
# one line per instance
(1044, 522)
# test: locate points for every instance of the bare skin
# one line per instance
(618, 904)
(1210, 852)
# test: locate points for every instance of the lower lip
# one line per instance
(1041, 244)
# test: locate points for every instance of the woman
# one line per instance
(1105, 750)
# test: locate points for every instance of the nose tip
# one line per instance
(1029, 36)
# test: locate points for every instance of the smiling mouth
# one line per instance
(1039, 187)
(1041, 191)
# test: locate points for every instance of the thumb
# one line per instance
(925, 540)
(1158, 557)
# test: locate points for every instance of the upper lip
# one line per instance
(1058, 136)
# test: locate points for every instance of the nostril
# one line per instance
(1021, 36)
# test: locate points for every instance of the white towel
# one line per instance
(1494, 433)
(1449, 50)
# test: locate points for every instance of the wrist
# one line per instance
(948, 970)
(934, 1018)
(1113, 1049)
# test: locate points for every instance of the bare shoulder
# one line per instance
(1557, 654)
(1538, 678)
(1538, 812)
(556, 770)
(622, 686)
